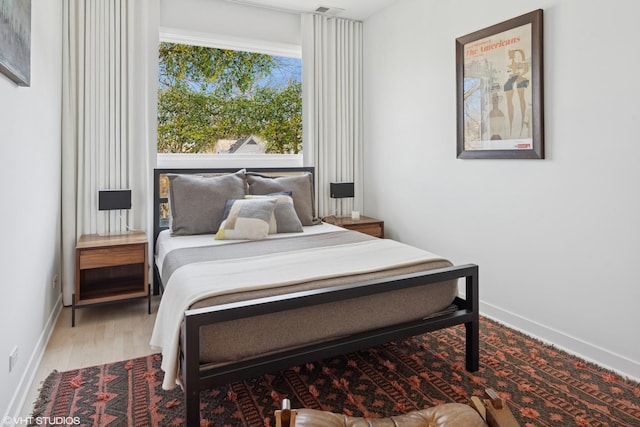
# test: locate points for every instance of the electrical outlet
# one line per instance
(13, 358)
(54, 281)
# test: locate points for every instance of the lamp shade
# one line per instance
(114, 199)
(339, 190)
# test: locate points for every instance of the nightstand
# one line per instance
(110, 269)
(371, 226)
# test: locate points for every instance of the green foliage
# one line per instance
(210, 94)
(279, 112)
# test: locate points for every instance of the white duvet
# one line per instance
(193, 282)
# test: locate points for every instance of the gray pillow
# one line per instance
(300, 186)
(197, 202)
(284, 218)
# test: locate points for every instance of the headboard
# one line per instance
(160, 188)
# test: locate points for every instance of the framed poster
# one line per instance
(15, 40)
(499, 91)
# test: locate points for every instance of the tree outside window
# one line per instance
(226, 101)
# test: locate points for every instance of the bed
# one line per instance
(277, 286)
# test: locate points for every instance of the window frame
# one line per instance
(219, 41)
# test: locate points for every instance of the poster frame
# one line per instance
(496, 40)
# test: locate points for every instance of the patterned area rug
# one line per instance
(544, 386)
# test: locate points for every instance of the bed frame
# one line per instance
(197, 377)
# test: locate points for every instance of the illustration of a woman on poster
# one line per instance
(497, 121)
(518, 68)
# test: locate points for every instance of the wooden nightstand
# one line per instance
(371, 226)
(109, 269)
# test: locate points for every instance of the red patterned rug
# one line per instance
(544, 386)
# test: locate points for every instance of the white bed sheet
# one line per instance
(166, 242)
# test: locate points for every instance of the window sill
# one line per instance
(171, 160)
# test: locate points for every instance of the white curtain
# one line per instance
(332, 109)
(107, 133)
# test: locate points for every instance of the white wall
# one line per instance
(557, 240)
(30, 213)
(229, 19)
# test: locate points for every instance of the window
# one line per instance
(226, 105)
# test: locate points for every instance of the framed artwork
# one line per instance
(15, 40)
(499, 91)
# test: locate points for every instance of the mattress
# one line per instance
(322, 256)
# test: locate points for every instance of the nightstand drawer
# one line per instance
(374, 230)
(371, 226)
(109, 257)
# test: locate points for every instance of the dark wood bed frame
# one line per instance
(197, 377)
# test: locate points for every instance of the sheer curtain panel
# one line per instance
(105, 116)
(332, 107)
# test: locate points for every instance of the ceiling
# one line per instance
(351, 9)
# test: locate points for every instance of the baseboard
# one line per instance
(621, 365)
(24, 386)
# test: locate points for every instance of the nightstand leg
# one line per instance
(149, 299)
(73, 310)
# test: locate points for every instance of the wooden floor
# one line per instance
(103, 334)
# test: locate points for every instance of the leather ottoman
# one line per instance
(492, 412)
(446, 415)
